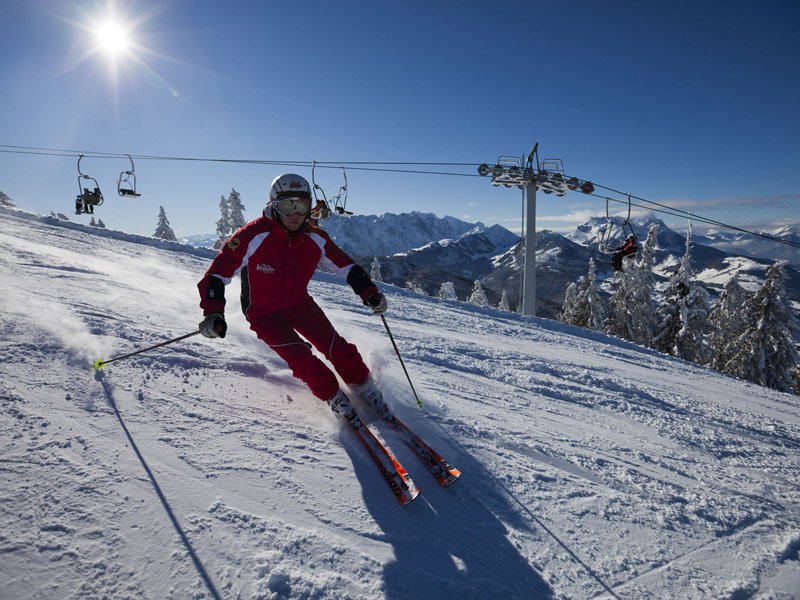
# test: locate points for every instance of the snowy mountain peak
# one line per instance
(615, 229)
(370, 235)
(496, 234)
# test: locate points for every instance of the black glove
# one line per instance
(377, 302)
(213, 326)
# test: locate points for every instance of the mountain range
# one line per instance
(423, 251)
(737, 242)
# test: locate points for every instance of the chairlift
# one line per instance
(126, 182)
(320, 210)
(340, 199)
(615, 232)
(618, 238)
(88, 196)
(322, 207)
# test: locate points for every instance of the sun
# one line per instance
(112, 38)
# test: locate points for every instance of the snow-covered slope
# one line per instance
(591, 467)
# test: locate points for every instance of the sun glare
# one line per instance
(112, 38)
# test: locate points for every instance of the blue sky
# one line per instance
(691, 104)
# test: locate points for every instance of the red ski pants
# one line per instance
(280, 332)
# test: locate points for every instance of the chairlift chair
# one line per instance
(615, 235)
(340, 199)
(615, 232)
(126, 182)
(320, 210)
(88, 197)
(322, 207)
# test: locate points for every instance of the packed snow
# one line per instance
(591, 467)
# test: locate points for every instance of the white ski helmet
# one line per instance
(288, 185)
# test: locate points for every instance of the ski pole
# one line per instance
(391, 337)
(99, 363)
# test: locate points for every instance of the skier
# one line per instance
(277, 255)
(629, 247)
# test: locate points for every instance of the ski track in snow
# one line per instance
(592, 467)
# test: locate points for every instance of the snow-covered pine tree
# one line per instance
(100, 224)
(796, 377)
(587, 309)
(766, 353)
(618, 320)
(415, 287)
(503, 305)
(478, 296)
(5, 200)
(447, 291)
(632, 312)
(643, 306)
(235, 211)
(568, 307)
(223, 224)
(375, 270)
(92, 222)
(729, 322)
(597, 306)
(683, 317)
(163, 230)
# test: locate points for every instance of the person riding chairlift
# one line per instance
(629, 247)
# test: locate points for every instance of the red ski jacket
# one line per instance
(276, 266)
(629, 247)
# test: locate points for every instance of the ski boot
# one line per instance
(369, 393)
(341, 406)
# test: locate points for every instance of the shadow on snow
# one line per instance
(447, 544)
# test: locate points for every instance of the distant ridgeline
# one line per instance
(422, 252)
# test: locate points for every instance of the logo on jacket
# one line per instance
(267, 269)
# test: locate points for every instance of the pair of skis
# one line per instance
(398, 479)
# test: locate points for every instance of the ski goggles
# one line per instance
(292, 205)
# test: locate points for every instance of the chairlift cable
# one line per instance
(373, 167)
(676, 212)
(687, 214)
